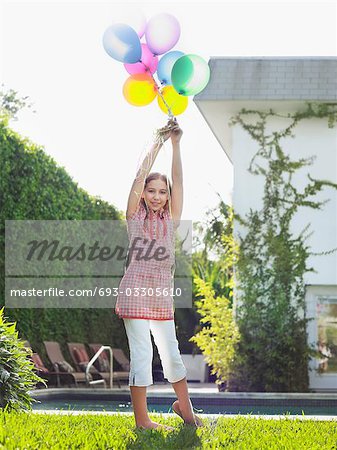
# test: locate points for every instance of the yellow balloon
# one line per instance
(176, 102)
(139, 89)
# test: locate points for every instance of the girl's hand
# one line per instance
(165, 132)
(171, 130)
(176, 131)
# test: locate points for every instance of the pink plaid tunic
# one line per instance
(145, 291)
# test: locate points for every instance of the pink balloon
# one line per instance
(149, 62)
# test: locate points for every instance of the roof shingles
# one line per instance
(263, 78)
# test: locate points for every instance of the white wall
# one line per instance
(312, 137)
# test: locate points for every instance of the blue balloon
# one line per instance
(121, 42)
(165, 65)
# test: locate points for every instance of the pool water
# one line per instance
(125, 406)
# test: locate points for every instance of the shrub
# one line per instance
(219, 334)
(217, 339)
(17, 375)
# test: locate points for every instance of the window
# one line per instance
(326, 311)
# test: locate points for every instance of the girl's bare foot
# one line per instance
(196, 422)
(153, 425)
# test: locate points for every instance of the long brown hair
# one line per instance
(167, 207)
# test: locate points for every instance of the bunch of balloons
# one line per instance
(180, 75)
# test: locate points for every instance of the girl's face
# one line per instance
(155, 194)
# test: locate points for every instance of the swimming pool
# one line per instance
(219, 403)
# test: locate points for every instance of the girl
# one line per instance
(153, 213)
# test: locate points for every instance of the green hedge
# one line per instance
(33, 186)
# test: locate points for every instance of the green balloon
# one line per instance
(190, 74)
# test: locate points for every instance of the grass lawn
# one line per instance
(87, 431)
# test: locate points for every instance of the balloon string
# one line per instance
(158, 136)
(171, 116)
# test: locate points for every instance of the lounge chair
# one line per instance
(122, 360)
(103, 363)
(52, 378)
(81, 360)
(61, 366)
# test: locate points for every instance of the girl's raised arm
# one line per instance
(177, 175)
(139, 182)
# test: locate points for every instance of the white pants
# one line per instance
(141, 351)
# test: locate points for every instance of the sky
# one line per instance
(53, 53)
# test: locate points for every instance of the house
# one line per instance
(285, 84)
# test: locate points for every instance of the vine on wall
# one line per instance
(273, 351)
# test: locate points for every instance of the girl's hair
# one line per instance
(157, 176)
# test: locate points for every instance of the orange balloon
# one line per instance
(140, 89)
(176, 102)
